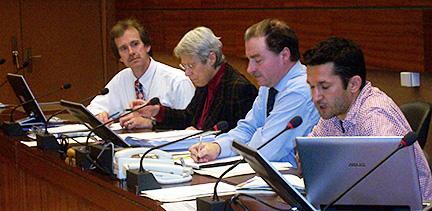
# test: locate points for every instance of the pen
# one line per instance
(113, 115)
(199, 146)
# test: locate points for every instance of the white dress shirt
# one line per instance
(170, 85)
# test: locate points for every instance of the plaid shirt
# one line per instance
(232, 100)
(375, 114)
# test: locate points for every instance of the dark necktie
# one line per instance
(139, 92)
(271, 99)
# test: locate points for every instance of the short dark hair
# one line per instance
(121, 26)
(278, 36)
(346, 56)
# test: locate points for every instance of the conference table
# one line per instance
(33, 179)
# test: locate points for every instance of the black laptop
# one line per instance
(273, 177)
(32, 109)
(87, 118)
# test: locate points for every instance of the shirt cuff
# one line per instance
(225, 143)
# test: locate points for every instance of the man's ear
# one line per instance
(148, 48)
(354, 84)
(286, 54)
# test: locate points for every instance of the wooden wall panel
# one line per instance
(260, 4)
(10, 26)
(69, 40)
(391, 39)
(69, 43)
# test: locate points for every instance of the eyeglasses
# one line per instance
(186, 66)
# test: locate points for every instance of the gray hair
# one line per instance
(200, 42)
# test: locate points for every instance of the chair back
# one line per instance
(418, 115)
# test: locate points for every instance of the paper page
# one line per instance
(258, 183)
(188, 192)
(218, 162)
(241, 169)
(160, 135)
(77, 139)
(151, 139)
(67, 128)
(180, 206)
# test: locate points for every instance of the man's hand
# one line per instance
(134, 120)
(103, 117)
(204, 152)
(136, 103)
(148, 111)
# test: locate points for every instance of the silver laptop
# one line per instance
(330, 165)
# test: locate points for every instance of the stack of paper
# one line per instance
(241, 169)
(191, 192)
(151, 139)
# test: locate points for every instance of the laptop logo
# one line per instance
(357, 165)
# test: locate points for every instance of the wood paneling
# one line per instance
(268, 4)
(31, 179)
(69, 42)
(9, 26)
(392, 35)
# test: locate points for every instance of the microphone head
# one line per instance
(294, 122)
(221, 126)
(409, 139)
(2, 60)
(66, 86)
(104, 91)
(154, 101)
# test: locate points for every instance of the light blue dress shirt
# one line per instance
(293, 99)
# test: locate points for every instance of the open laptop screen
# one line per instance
(86, 117)
(273, 177)
(330, 165)
(24, 94)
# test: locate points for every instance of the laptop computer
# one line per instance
(273, 177)
(87, 118)
(32, 109)
(330, 165)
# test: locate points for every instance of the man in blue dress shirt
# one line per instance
(273, 53)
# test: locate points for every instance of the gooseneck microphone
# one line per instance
(204, 203)
(47, 141)
(153, 101)
(104, 91)
(293, 123)
(15, 58)
(220, 127)
(409, 139)
(65, 86)
(137, 178)
(13, 128)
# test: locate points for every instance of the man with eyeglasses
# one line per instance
(222, 93)
(144, 78)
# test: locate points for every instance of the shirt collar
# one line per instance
(215, 81)
(355, 106)
(296, 70)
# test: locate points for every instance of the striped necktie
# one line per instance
(139, 92)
